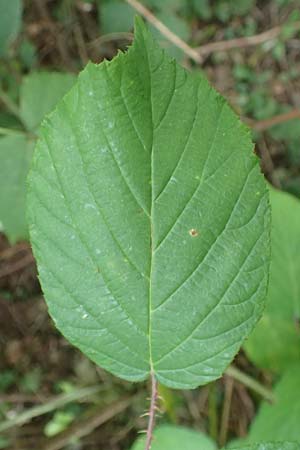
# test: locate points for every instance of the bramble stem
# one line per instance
(152, 410)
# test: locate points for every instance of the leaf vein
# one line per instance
(84, 243)
(214, 307)
(199, 184)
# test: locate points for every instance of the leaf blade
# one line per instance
(15, 154)
(137, 175)
(271, 446)
(10, 24)
(279, 421)
(278, 328)
(170, 437)
(40, 91)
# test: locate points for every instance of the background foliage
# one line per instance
(43, 45)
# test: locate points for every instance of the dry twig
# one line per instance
(276, 120)
(80, 429)
(42, 8)
(165, 31)
(226, 411)
(18, 265)
(242, 42)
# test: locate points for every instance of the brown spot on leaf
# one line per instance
(193, 232)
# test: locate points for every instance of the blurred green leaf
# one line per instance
(170, 400)
(268, 446)
(4, 442)
(225, 9)
(242, 72)
(31, 381)
(40, 91)
(278, 51)
(275, 342)
(8, 121)
(27, 53)
(280, 421)
(171, 437)
(115, 15)
(291, 183)
(202, 8)
(7, 379)
(59, 422)
(260, 104)
(65, 386)
(15, 157)
(10, 23)
(289, 133)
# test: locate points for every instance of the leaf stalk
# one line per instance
(152, 412)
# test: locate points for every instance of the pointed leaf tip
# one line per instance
(139, 25)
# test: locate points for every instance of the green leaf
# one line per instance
(10, 23)
(202, 8)
(15, 157)
(271, 446)
(225, 9)
(149, 220)
(289, 134)
(170, 437)
(280, 421)
(59, 422)
(275, 342)
(28, 53)
(115, 15)
(40, 91)
(4, 442)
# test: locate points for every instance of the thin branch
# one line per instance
(242, 42)
(268, 164)
(81, 45)
(249, 382)
(212, 411)
(198, 54)
(262, 125)
(42, 7)
(22, 398)
(51, 405)
(229, 381)
(10, 252)
(152, 412)
(84, 428)
(19, 265)
(165, 31)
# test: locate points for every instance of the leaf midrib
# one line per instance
(150, 217)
